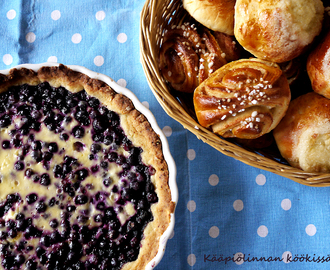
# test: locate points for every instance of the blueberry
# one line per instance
(55, 237)
(30, 264)
(82, 174)
(16, 142)
(78, 146)
(52, 202)
(36, 155)
(107, 140)
(95, 148)
(100, 206)
(21, 225)
(57, 170)
(20, 216)
(52, 147)
(104, 164)
(5, 121)
(47, 156)
(3, 235)
(107, 182)
(45, 241)
(82, 117)
(66, 168)
(81, 199)
(35, 178)
(93, 102)
(97, 137)
(45, 179)
(78, 132)
(112, 156)
(36, 114)
(98, 218)
(71, 208)
(41, 207)
(64, 136)
(19, 166)
(53, 223)
(12, 233)
(94, 168)
(6, 144)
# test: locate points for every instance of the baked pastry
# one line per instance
(318, 67)
(84, 183)
(217, 15)
(244, 99)
(277, 31)
(303, 135)
(188, 55)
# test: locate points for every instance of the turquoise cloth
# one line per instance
(229, 215)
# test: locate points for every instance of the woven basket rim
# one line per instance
(158, 15)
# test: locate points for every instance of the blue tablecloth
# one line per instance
(229, 215)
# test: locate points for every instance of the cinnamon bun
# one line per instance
(244, 99)
(189, 55)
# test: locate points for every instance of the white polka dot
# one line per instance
(7, 59)
(145, 104)
(52, 59)
(262, 231)
(191, 205)
(30, 37)
(99, 60)
(287, 256)
(76, 38)
(167, 131)
(261, 179)
(171, 235)
(122, 38)
(11, 14)
(214, 232)
(191, 259)
(55, 15)
(122, 82)
(286, 204)
(191, 154)
(239, 258)
(100, 15)
(310, 229)
(213, 180)
(238, 205)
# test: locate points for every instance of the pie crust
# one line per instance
(137, 129)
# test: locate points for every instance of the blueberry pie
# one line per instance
(83, 179)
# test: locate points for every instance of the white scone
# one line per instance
(303, 135)
(217, 15)
(277, 31)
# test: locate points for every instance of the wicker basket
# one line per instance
(158, 15)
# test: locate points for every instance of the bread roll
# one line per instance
(189, 55)
(277, 31)
(244, 99)
(217, 15)
(303, 135)
(318, 67)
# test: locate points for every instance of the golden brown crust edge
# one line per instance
(136, 127)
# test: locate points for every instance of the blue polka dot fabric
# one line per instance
(229, 215)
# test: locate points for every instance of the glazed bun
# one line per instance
(217, 15)
(245, 99)
(318, 67)
(277, 31)
(303, 135)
